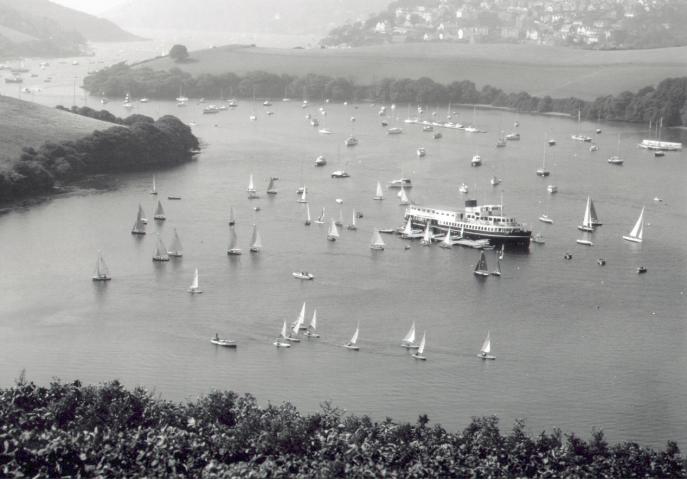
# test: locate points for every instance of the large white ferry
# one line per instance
(476, 222)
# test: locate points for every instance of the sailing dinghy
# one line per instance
(637, 233)
(281, 342)
(352, 225)
(176, 250)
(252, 192)
(481, 267)
(379, 194)
(159, 212)
(427, 236)
(333, 232)
(587, 225)
(102, 273)
(353, 343)
(308, 220)
(194, 288)
(233, 249)
(409, 340)
(376, 243)
(271, 190)
(255, 240)
(153, 189)
(312, 328)
(485, 351)
(447, 242)
(419, 355)
(320, 219)
(139, 227)
(160, 254)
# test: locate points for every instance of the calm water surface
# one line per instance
(578, 346)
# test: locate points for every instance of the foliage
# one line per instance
(67, 429)
(140, 142)
(178, 53)
(668, 100)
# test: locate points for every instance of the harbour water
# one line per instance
(578, 346)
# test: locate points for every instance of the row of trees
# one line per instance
(668, 100)
(139, 143)
(67, 429)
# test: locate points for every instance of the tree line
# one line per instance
(137, 143)
(667, 100)
(73, 430)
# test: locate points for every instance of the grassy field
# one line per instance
(26, 124)
(559, 72)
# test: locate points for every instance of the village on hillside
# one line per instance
(585, 23)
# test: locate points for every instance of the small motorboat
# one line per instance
(303, 275)
(601, 261)
(421, 152)
(552, 188)
(223, 342)
(641, 269)
(546, 219)
(173, 197)
(567, 256)
(437, 135)
(320, 161)
(340, 174)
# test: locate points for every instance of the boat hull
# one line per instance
(486, 357)
(223, 343)
(101, 279)
(418, 357)
(587, 243)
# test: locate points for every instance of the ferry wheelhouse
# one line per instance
(475, 222)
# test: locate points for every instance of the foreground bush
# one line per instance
(67, 429)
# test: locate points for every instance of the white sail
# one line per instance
(421, 348)
(447, 242)
(587, 220)
(159, 212)
(255, 240)
(404, 198)
(593, 217)
(300, 320)
(101, 270)
(160, 251)
(320, 219)
(233, 240)
(194, 285)
(153, 189)
(313, 322)
(353, 218)
(408, 230)
(410, 336)
(354, 338)
(176, 249)
(376, 243)
(303, 198)
(283, 330)
(232, 217)
(251, 187)
(333, 232)
(427, 237)
(308, 220)
(139, 227)
(379, 195)
(142, 214)
(486, 346)
(481, 267)
(637, 233)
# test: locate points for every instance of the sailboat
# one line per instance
(127, 102)
(579, 136)
(281, 342)
(419, 355)
(543, 172)
(447, 242)
(379, 194)
(312, 328)
(481, 267)
(376, 243)
(160, 254)
(409, 340)
(587, 225)
(102, 273)
(353, 343)
(142, 214)
(194, 288)
(404, 198)
(232, 217)
(497, 271)
(476, 160)
(271, 190)
(176, 250)
(616, 159)
(252, 193)
(592, 214)
(153, 189)
(485, 351)
(255, 240)
(303, 198)
(409, 232)
(333, 232)
(427, 236)
(352, 225)
(233, 249)
(139, 227)
(339, 221)
(308, 221)
(320, 219)
(637, 233)
(159, 212)
(298, 324)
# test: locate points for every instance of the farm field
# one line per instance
(554, 71)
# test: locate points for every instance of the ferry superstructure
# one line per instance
(475, 222)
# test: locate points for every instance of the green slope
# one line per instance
(554, 71)
(26, 124)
